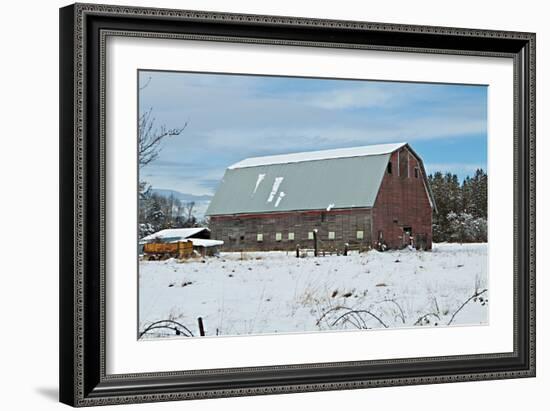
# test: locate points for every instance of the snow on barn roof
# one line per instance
(174, 234)
(200, 242)
(373, 150)
(317, 180)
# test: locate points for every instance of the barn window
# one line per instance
(291, 236)
(242, 237)
(389, 168)
(360, 234)
(416, 172)
(331, 235)
(260, 237)
(278, 236)
(310, 235)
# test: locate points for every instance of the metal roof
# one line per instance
(303, 181)
(170, 234)
(372, 150)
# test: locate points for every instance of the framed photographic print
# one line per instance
(262, 204)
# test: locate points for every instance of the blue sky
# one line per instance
(232, 117)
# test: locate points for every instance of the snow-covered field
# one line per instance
(274, 292)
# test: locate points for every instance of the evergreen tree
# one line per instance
(462, 208)
(437, 185)
(479, 197)
(468, 189)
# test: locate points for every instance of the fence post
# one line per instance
(201, 327)
(315, 243)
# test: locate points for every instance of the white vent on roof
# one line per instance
(281, 195)
(275, 188)
(258, 181)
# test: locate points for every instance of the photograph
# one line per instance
(282, 204)
(289, 201)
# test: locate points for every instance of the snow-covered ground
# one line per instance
(274, 292)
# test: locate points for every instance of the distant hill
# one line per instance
(201, 201)
(182, 196)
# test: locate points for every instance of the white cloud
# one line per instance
(352, 98)
(333, 135)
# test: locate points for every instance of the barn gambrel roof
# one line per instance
(317, 180)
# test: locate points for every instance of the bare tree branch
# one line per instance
(351, 312)
(476, 294)
(338, 307)
(391, 300)
(351, 320)
(150, 137)
(146, 83)
(425, 316)
(167, 324)
(188, 209)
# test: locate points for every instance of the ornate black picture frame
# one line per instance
(83, 30)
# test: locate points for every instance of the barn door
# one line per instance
(407, 236)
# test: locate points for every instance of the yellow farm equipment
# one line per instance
(161, 251)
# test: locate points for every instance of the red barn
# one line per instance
(372, 196)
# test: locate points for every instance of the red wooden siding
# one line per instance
(403, 201)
